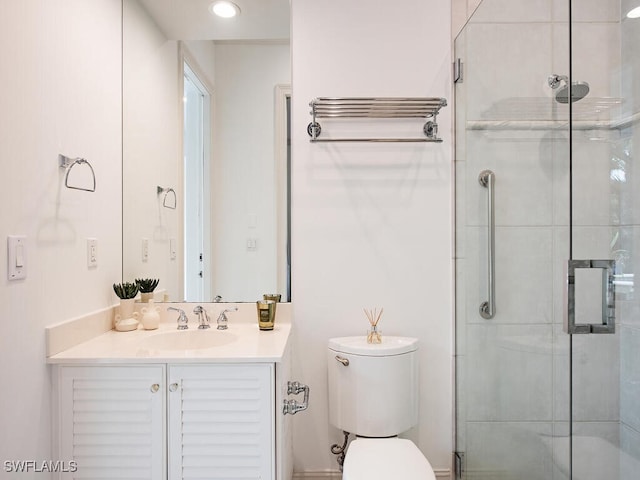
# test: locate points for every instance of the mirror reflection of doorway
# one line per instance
(196, 153)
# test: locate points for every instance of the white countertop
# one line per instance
(247, 344)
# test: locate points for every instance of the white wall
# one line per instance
(372, 223)
(151, 148)
(243, 172)
(461, 10)
(60, 93)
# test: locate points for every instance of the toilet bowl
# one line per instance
(385, 459)
(373, 393)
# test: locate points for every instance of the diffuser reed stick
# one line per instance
(373, 335)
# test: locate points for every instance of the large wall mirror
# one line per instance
(206, 153)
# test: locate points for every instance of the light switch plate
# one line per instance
(16, 257)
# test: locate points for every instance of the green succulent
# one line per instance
(147, 285)
(125, 290)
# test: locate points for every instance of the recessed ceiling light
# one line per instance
(224, 9)
(634, 13)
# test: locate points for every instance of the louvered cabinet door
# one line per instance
(221, 422)
(111, 421)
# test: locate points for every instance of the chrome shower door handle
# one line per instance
(488, 308)
(608, 298)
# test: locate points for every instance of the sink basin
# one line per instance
(187, 340)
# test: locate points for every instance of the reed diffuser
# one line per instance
(374, 335)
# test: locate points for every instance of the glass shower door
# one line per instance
(603, 437)
(512, 238)
(547, 102)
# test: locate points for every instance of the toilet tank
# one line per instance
(373, 388)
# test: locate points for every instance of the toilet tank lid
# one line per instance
(358, 346)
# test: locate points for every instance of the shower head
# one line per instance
(579, 90)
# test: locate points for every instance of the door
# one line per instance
(221, 421)
(512, 188)
(111, 421)
(547, 225)
(603, 435)
(196, 146)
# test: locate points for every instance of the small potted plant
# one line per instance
(146, 287)
(126, 290)
(127, 318)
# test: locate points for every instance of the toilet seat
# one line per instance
(385, 459)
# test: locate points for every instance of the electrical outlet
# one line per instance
(92, 252)
(172, 249)
(145, 249)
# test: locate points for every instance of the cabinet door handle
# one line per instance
(155, 387)
(173, 387)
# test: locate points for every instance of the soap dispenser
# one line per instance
(150, 316)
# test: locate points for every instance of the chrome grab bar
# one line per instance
(488, 308)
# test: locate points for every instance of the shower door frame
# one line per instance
(567, 419)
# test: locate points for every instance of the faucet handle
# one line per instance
(183, 320)
(222, 318)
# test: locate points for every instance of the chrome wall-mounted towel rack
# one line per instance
(392, 108)
(168, 193)
(68, 163)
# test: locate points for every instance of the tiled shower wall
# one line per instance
(513, 370)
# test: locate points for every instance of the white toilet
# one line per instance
(373, 393)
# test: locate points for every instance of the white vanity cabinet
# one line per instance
(221, 421)
(110, 421)
(170, 421)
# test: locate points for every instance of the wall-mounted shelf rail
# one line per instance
(381, 108)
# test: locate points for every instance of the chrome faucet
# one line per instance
(222, 318)
(183, 320)
(203, 317)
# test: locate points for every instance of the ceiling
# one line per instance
(259, 20)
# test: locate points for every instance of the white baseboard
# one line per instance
(317, 475)
(441, 474)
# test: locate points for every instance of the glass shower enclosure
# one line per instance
(547, 102)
